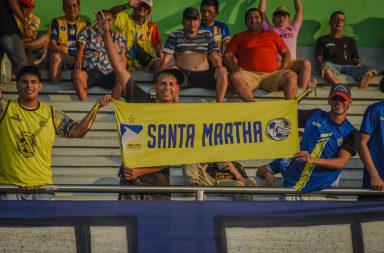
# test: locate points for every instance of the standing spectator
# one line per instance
(167, 91)
(192, 49)
(338, 54)
(27, 131)
(218, 174)
(11, 38)
(289, 32)
(371, 148)
(64, 32)
(35, 47)
(92, 67)
(209, 10)
(329, 141)
(251, 58)
(142, 35)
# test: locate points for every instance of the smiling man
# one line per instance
(166, 86)
(329, 141)
(27, 131)
(251, 59)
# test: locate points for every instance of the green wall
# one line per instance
(365, 19)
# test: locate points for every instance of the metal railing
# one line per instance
(198, 190)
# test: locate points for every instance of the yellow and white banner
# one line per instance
(166, 134)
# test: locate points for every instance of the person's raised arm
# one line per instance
(365, 155)
(81, 128)
(299, 11)
(263, 9)
(131, 4)
(115, 59)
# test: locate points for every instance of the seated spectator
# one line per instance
(35, 47)
(167, 91)
(193, 48)
(11, 37)
(62, 45)
(338, 54)
(371, 149)
(142, 35)
(329, 141)
(251, 59)
(289, 32)
(92, 67)
(218, 174)
(209, 10)
(27, 132)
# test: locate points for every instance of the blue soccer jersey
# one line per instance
(219, 31)
(322, 138)
(373, 124)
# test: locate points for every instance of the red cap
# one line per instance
(29, 3)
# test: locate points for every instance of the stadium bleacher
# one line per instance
(95, 159)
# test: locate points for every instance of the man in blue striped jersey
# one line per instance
(197, 55)
(329, 141)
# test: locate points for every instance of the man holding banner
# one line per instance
(167, 91)
(328, 143)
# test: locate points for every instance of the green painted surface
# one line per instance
(365, 19)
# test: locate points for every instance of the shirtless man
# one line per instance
(197, 55)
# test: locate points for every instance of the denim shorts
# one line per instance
(27, 196)
(355, 71)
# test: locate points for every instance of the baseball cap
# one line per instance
(341, 90)
(281, 10)
(175, 72)
(190, 13)
(29, 3)
(148, 2)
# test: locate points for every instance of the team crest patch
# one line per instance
(131, 137)
(63, 28)
(26, 144)
(278, 129)
(43, 122)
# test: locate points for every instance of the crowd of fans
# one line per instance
(205, 56)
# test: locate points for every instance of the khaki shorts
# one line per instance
(266, 81)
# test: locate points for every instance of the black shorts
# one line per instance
(99, 79)
(199, 79)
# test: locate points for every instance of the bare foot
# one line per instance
(366, 79)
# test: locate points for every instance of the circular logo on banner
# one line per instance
(278, 129)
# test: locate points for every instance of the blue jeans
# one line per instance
(355, 71)
(27, 196)
(13, 46)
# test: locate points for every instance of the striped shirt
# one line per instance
(180, 42)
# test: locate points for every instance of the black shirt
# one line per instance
(8, 23)
(337, 50)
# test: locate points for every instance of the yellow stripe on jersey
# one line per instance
(308, 169)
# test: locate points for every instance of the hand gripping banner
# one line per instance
(166, 134)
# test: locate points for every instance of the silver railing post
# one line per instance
(200, 195)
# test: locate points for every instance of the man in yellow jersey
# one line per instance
(142, 35)
(63, 37)
(27, 131)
